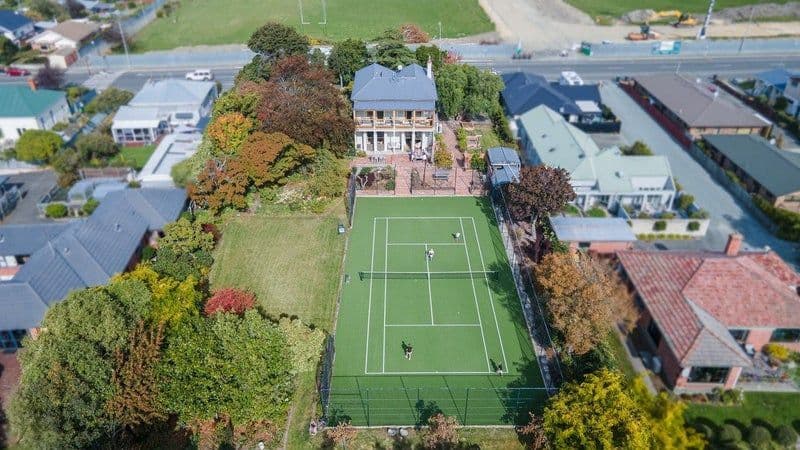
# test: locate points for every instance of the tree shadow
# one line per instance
(426, 410)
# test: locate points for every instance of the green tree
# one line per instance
(236, 102)
(173, 301)
(185, 236)
(451, 83)
(423, 52)
(37, 145)
(275, 40)
(304, 342)
(346, 58)
(258, 69)
(108, 101)
(465, 90)
(230, 366)
(597, 413)
(96, 146)
(7, 50)
(48, 10)
(393, 54)
(666, 417)
(228, 132)
(66, 371)
(638, 148)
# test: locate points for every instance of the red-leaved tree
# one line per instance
(230, 300)
(220, 184)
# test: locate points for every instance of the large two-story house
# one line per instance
(395, 111)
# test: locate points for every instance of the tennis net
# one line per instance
(365, 275)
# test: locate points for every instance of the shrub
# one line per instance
(693, 226)
(777, 351)
(148, 253)
(461, 136)
(788, 222)
(229, 300)
(477, 162)
(443, 159)
(729, 434)
(785, 436)
(667, 215)
(56, 210)
(659, 225)
(37, 145)
(759, 438)
(699, 214)
(90, 206)
(705, 431)
(596, 212)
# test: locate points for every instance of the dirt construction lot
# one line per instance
(552, 24)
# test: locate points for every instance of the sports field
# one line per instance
(458, 311)
(214, 22)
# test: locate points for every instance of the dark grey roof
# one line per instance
(12, 20)
(88, 253)
(505, 175)
(524, 91)
(26, 239)
(696, 105)
(503, 156)
(378, 87)
(775, 169)
(714, 346)
(777, 77)
(592, 229)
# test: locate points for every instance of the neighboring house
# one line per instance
(86, 254)
(689, 109)
(503, 165)
(71, 34)
(138, 126)
(178, 102)
(703, 312)
(174, 148)
(779, 82)
(596, 235)
(604, 178)
(19, 242)
(395, 111)
(24, 107)
(579, 104)
(763, 169)
(15, 26)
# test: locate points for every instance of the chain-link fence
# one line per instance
(374, 180)
(414, 405)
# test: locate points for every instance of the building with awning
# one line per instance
(137, 126)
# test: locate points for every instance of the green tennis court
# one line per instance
(430, 319)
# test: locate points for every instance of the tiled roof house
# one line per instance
(703, 312)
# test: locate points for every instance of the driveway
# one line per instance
(727, 215)
(35, 185)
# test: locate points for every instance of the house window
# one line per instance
(12, 339)
(740, 336)
(654, 332)
(584, 245)
(708, 374)
(184, 116)
(786, 335)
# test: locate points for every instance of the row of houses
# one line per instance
(59, 42)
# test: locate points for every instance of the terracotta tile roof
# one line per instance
(691, 295)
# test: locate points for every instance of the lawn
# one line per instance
(773, 408)
(136, 157)
(213, 22)
(617, 8)
(291, 263)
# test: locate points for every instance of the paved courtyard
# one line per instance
(35, 185)
(727, 215)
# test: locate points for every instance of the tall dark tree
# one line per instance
(541, 190)
(436, 55)
(347, 57)
(275, 40)
(49, 78)
(75, 9)
(394, 54)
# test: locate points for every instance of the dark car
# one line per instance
(17, 72)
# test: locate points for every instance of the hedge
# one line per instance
(788, 222)
(659, 225)
(693, 226)
(56, 210)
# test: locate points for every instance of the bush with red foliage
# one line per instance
(213, 230)
(230, 300)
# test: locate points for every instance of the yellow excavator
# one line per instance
(675, 17)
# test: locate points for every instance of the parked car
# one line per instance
(17, 72)
(200, 75)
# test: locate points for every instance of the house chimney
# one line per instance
(429, 67)
(32, 84)
(733, 245)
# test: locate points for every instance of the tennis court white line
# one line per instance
(422, 217)
(433, 324)
(385, 284)
(431, 373)
(475, 294)
(430, 295)
(491, 299)
(438, 244)
(369, 304)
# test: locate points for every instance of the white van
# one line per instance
(200, 75)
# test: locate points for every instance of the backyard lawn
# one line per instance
(291, 263)
(212, 22)
(136, 157)
(773, 408)
(619, 7)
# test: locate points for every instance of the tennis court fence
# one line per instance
(414, 406)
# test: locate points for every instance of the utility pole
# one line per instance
(440, 30)
(124, 43)
(704, 29)
(750, 22)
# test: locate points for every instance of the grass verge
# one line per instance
(597, 8)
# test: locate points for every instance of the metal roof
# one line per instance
(20, 101)
(172, 92)
(381, 88)
(777, 77)
(26, 239)
(696, 105)
(524, 91)
(503, 156)
(12, 20)
(136, 117)
(775, 169)
(504, 175)
(591, 229)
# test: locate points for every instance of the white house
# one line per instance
(27, 108)
(66, 35)
(15, 26)
(179, 102)
(138, 126)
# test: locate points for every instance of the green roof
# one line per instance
(21, 101)
(775, 169)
